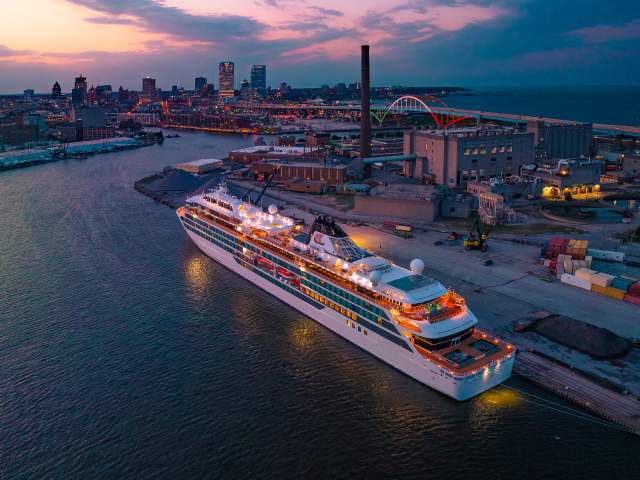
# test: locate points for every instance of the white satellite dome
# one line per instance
(273, 209)
(416, 266)
(375, 277)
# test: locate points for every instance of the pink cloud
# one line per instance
(608, 33)
(336, 49)
(448, 18)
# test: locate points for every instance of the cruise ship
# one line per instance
(403, 317)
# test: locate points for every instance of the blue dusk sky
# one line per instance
(309, 42)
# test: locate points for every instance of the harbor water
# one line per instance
(126, 353)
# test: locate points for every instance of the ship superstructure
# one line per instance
(402, 316)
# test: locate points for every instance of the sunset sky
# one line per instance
(309, 42)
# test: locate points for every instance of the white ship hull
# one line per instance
(409, 362)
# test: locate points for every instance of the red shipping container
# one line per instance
(634, 289)
(632, 299)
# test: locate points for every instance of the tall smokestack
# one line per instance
(365, 105)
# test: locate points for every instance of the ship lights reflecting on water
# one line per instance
(499, 398)
(303, 336)
(197, 274)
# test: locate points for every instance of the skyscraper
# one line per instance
(259, 79)
(226, 80)
(81, 82)
(149, 87)
(29, 95)
(56, 91)
(79, 92)
(201, 82)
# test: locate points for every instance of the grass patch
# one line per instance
(535, 229)
(342, 202)
(464, 225)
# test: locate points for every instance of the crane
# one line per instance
(264, 189)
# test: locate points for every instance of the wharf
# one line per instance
(622, 410)
(28, 157)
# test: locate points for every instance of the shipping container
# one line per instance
(602, 279)
(606, 255)
(632, 299)
(622, 283)
(608, 291)
(575, 281)
(634, 289)
(585, 273)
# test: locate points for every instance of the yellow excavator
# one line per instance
(476, 240)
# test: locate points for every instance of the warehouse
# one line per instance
(331, 175)
(203, 165)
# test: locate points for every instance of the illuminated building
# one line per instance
(578, 177)
(259, 79)
(226, 79)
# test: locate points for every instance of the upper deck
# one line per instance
(416, 302)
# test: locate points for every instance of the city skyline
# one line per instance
(468, 42)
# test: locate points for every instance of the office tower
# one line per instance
(79, 92)
(226, 79)
(29, 95)
(81, 82)
(201, 82)
(149, 88)
(56, 90)
(259, 79)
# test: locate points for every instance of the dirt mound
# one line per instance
(586, 338)
(176, 181)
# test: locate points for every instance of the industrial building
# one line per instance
(454, 156)
(330, 175)
(561, 140)
(380, 147)
(203, 165)
(272, 152)
(317, 139)
(415, 202)
(90, 117)
(631, 165)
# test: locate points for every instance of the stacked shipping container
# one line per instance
(571, 261)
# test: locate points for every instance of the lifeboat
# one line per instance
(284, 272)
(264, 263)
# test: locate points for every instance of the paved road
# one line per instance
(504, 291)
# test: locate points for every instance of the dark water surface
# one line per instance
(126, 353)
(617, 105)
